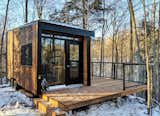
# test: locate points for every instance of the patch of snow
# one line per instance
(19, 112)
(131, 106)
(4, 80)
(75, 86)
(56, 87)
(14, 103)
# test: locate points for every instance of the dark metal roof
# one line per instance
(59, 23)
(64, 28)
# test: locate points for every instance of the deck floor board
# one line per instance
(101, 90)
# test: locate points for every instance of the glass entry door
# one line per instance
(72, 62)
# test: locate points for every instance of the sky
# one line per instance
(16, 12)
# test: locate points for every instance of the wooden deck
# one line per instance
(100, 91)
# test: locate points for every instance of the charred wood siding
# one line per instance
(24, 74)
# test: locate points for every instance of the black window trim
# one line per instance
(26, 65)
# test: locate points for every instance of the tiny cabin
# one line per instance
(40, 50)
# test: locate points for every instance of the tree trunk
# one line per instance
(136, 39)
(131, 41)
(113, 44)
(116, 57)
(85, 13)
(26, 11)
(135, 35)
(147, 61)
(131, 49)
(102, 44)
(121, 44)
(2, 37)
(153, 41)
(39, 4)
(157, 61)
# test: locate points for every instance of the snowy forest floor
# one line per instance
(13, 103)
(129, 106)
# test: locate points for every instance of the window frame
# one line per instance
(23, 59)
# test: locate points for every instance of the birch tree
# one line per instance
(147, 60)
(134, 30)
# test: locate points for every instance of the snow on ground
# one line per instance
(56, 87)
(130, 106)
(14, 103)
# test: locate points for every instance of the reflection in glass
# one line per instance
(59, 60)
(26, 54)
(53, 60)
(74, 61)
(74, 52)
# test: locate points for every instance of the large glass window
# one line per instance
(60, 58)
(53, 60)
(47, 50)
(26, 54)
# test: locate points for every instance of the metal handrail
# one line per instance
(113, 70)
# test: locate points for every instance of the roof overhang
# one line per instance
(64, 28)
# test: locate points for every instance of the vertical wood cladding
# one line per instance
(25, 75)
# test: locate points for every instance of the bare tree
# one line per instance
(102, 42)
(131, 41)
(134, 30)
(26, 11)
(153, 42)
(147, 60)
(157, 60)
(85, 13)
(3, 32)
(39, 4)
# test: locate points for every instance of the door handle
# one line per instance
(68, 66)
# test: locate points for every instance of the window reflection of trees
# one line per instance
(53, 59)
(74, 52)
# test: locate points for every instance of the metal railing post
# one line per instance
(114, 71)
(92, 69)
(124, 77)
(146, 75)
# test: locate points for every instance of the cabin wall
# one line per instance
(25, 75)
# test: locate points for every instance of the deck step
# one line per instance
(48, 108)
(54, 103)
(44, 107)
(36, 101)
(46, 96)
